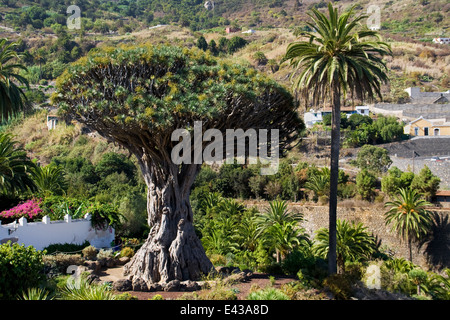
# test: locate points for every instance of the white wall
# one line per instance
(42, 234)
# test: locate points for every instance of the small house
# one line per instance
(312, 117)
(428, 127)
(52, 121)
(442, 198)
(441, 40)
(231, 29)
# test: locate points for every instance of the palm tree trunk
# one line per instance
(410, 250)
(334, 173)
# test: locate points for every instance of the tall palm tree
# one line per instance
(12, 97)
(15, 167)
(409, 216)
(340, 57)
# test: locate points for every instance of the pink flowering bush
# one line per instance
(29, 209)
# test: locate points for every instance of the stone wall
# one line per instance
(422, 146)
(412, 110)
(437, 251)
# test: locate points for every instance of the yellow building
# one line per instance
(428, 127)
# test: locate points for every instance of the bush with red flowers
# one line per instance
(29, 209)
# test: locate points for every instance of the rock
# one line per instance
(123, 285)
(122, 260)
(110, 263)
(248, 274)
(234, 270)
(173, 285)
(223, 270)
(155, 287)
(93, 278)
(235, 278)
(189, 285)
(102, 262)
(139, 285)
(95, 266)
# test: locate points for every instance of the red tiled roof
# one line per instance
(445, 193)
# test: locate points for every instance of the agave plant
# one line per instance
(81, 288)
(36, 294)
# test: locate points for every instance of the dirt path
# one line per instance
(243, 288)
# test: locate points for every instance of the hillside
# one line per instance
(39, 26)
(409, 26)
(412, 19)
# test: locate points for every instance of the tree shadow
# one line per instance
(437, 242)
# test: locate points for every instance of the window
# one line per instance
(425, 131)
(436, 131)
(416, 131)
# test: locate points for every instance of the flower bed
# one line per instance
(30, 209)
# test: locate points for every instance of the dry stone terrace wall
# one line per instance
(316, 217)
(412, 110)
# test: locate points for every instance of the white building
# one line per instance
(442, 40)
(362, 110)
(52, 121)
(312, 117)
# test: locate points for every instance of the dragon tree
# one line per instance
(137, 96)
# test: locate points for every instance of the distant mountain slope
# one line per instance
(412, 18)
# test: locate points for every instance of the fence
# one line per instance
(41, 234)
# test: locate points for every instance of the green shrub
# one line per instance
(269, 293)
(89, 253)
(105, 254)
(104, 215)
(20, 268)
(157, 297)
(66, 247)
(126, 296)
(340, 285)
(418, 277)
(219, 290)
(127, 252)
(60, 262)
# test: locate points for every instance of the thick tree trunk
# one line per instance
(334, 174)
(172, 249)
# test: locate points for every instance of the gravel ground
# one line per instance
(243, 288)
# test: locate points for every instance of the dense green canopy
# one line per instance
(140, 94)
